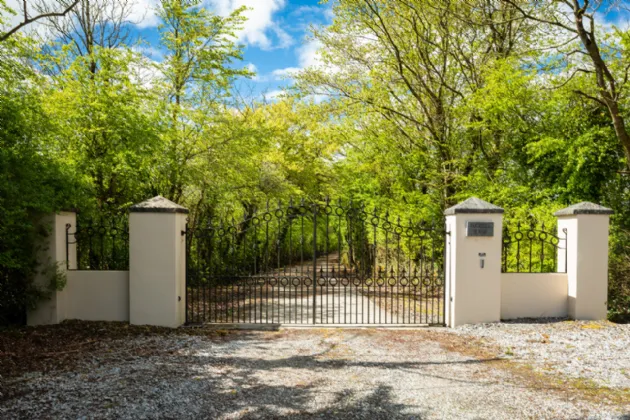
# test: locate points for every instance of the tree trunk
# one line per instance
(605, 80)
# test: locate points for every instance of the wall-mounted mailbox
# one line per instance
(480, 229)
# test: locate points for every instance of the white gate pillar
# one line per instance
(585, 258)
(157, 263)
(473, 262)
(55, 253)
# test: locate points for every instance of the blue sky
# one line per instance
(275, 38)
(275, 34)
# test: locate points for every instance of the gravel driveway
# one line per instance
(594, 351)
(312, 373)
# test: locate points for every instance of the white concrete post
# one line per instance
(586, 258)
(50, 257)
(473, 262)
(157, 263)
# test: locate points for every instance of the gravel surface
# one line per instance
(312, 373)
(595, 351)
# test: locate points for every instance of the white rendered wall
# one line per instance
(157, 262)
(587, 264)
(533, 295)
(97, 295)
(53, 251)
(473, 293)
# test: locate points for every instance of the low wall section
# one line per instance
(97, 295)
(533, 295)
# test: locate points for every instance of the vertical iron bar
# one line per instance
(422, 273)
(253, 281)
(113, 235)
(90, 250)
(186, 315)
(102, 233)
(518, 247)
(446, 237)
(376, 268)
(78, 243)
(360, 272)
(68, 246)
(350, 255)
(398, 275)
(205, 283)
(566, 248)
(266, 217)
(314, 260)
(531, 244)
(504, 248)
(277, 270)
(542, 249)
(409, 279)
(198, 279)
(386, 264)
(555, 256)
(433, 274)
(290, 280)
(327, 250)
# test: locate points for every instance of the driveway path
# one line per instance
(296, 373)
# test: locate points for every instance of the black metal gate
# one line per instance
(318, 264)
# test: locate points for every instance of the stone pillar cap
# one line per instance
(473, 205)
(157, 204)
(584, 207)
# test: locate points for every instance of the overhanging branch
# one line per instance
(28, 21)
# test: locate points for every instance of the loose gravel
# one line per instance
(296, 373)
(594, 351)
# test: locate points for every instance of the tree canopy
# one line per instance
(426, 102)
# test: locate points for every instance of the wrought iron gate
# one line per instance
(316, 263)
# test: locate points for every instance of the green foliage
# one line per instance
(103, 128)
(619, 277)
(32, 185)
(423, 109)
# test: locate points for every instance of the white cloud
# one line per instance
(607, 21)
(256, 77)
(316, 98)
(307, 56)
(13, 20)
(274, 95)
(259, 21)
(281, 74)
(314, 14)
(284, 39)
(307, 10)
(143, 13)
(150, 52)
(36, 27)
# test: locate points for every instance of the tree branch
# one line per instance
(28, 21)
(586, 95)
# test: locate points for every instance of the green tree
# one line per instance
(32, 183)
(198, 71)
(105, 123)
(406, 70)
